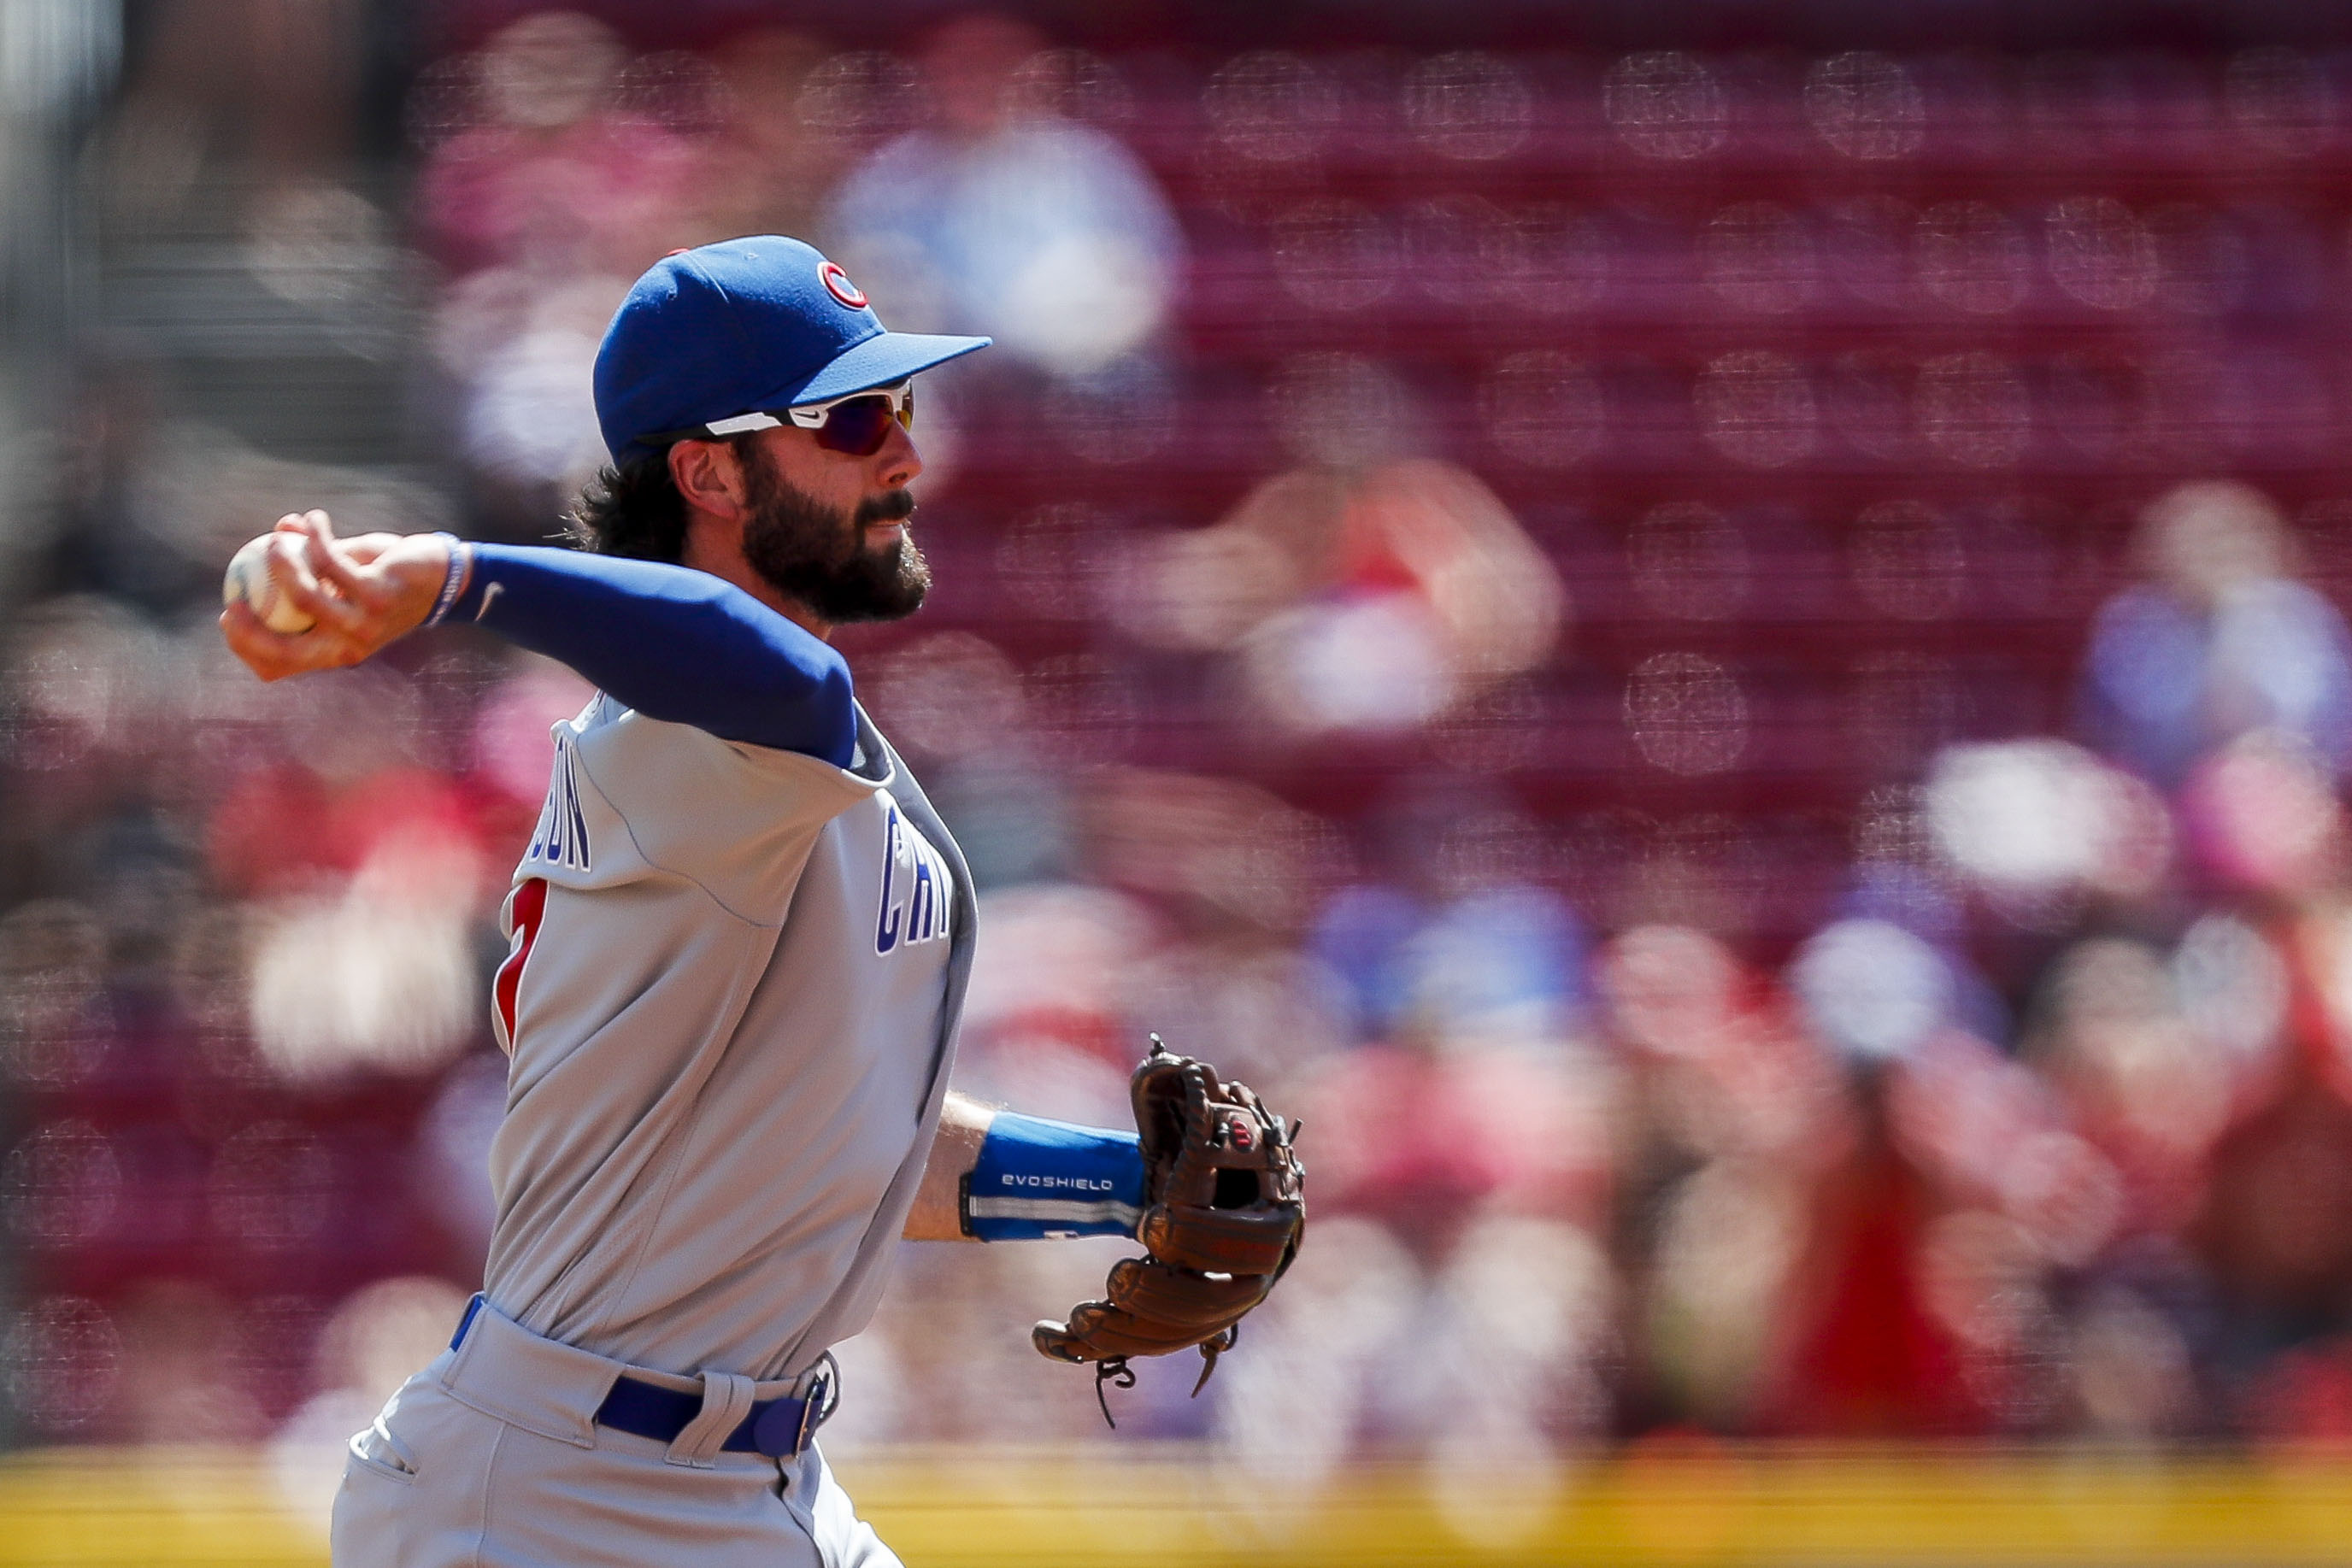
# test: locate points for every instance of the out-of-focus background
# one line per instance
(1713, 637)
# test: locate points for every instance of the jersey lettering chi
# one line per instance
(918, 891)
(561, 837)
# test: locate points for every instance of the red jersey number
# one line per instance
(529, 908)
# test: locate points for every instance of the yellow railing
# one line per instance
(1177, 1509)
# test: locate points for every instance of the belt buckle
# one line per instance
(824, 1394)
(815, 1406)
(812, 1412)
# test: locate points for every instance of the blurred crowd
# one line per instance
(1733, 757)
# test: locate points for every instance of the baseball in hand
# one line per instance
(252, 576)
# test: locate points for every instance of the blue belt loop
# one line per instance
(467, 1322)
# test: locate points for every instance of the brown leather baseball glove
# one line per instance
(1224, 1209)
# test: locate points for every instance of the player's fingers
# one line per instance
(331, 614)
(315, 580)
(268, 654)
(329, 560)
(323, 555)
(312, 525)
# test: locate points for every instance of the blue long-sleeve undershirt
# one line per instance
(672, 643)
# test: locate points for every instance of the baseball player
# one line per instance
(740, 940)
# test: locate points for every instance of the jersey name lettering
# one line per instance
(561, 838)
(916, 891)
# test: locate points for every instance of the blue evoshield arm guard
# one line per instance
(1039, 1178)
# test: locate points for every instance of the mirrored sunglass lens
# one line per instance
(855, 427)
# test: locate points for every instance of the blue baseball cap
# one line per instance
(744, 326)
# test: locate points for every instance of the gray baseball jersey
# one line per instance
(731, 1000)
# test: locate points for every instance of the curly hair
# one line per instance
(632, 510)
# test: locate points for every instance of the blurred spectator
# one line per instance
(2218, 642)
(772, 162)
(1367, 601)
(227, 90)
(547, 188)
(1738, 1116)
(2158, 1061)
(1005, 214)
(535, 161)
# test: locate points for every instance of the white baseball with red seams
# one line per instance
(253, 577)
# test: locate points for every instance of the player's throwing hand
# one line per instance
(360, 594)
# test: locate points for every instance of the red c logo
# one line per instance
(836, 283)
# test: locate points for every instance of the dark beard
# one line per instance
(816, 556)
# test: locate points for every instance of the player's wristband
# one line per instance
(453, 581)
(1038, 1178)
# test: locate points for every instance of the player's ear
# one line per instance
(708, 474)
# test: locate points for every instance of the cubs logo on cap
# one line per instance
(744, 326)
(836, 283)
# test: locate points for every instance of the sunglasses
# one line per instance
(855, 425)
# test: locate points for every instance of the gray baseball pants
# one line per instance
(490, 1458)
